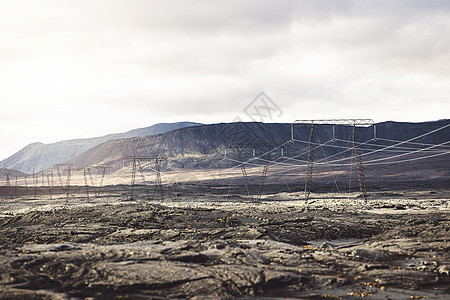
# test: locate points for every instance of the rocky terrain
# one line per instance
(199, 243)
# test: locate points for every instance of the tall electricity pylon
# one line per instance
(86, 172)
(89, 180)
(356, 147)
(158, 183)
(102, 169)
(7, 174)
(50, 182)
(68, 168)
(239, 147)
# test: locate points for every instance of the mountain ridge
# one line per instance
(210, 140)
(39, 156)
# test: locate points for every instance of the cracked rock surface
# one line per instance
(216, 247)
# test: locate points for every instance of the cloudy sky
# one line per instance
(71, 69)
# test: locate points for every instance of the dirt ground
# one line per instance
(201, 243)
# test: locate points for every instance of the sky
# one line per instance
(85, 68)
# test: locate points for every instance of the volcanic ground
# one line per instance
(197, 242)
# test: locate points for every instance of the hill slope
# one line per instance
(208, 141)
(5, 173)
(39, 156)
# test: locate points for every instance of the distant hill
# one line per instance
(39, 156)
(4, 173)
(201, 146)
(185, 144)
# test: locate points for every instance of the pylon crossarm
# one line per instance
(350, 122)
(145, 157)
(257, 145)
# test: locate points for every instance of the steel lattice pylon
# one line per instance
(356, 147)
(158, 183)
(239, 147)
(7, 174)
(59, 169)
(243, 170)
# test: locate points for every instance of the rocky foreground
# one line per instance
(210, 246)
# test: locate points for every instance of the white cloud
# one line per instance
(142, 62)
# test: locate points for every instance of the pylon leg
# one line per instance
(101, 181)
(86, 185)
(133, 179)
(309, 168)
(264, 173)
(244, 171)
(50, 184)
(7, 179)
(359, 163)
(69, 174)
(158, 178)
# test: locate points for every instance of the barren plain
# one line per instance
(199, 242)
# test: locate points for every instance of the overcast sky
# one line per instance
(72, 69)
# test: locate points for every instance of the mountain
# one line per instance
(39, 156)
(11, 174)
(203, 146)
(185, 144)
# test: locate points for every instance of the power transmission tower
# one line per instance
(16, 185)
(35, 180)
(58, 172)
(26, 185)
(158, 183)
(89, 180)
(7, 184)
(133, 176)
(356, 147)
(102, 168)
(239, 147)
(50, 183)
(86, 185)
(7, 173)
(69, 174)
(43, 179)
(67, 168)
